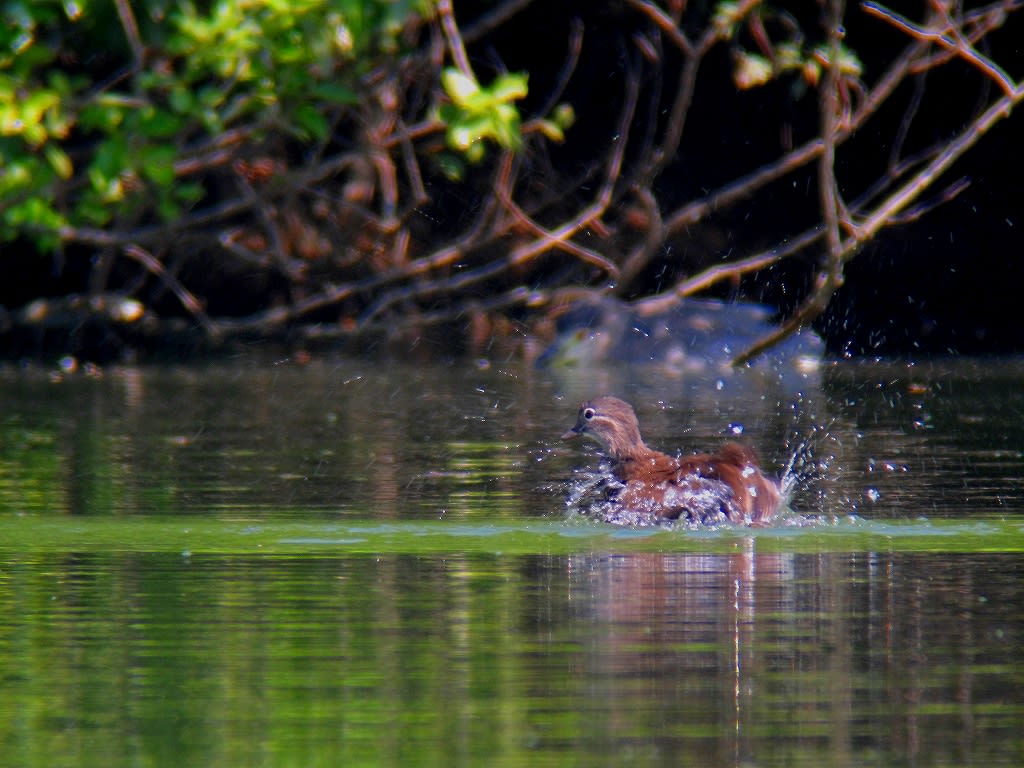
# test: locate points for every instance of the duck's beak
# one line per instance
(574, 432)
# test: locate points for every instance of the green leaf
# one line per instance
(181, 100)
(335, 93)
(110, 159)
(100, 117)
(467, 131)
(10, 120)
(475, 152)
(17, 174)
(159, 123)
(504, 127)
(59, 161)
(451, 166)
(35, 213)
(158, 164)
(509, 87)
(460, 88)
(91, 210)
(168, 208)
(551, 130)
(312, 121)
(189, 193)
(564, 116)
(849, 63)
(34, 134)
(751, 70)
(727, 15)
(36, 104)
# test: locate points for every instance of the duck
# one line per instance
(727, 486)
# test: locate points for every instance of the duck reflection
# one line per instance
(689, 639)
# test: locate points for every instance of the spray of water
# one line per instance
(809, 479)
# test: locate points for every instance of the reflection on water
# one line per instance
(119, 652)
(696, 659)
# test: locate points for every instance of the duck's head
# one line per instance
(612, 423)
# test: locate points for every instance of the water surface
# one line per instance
(352, 562)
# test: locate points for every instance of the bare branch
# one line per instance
(188, 301)
(949, 38)
(131, 33)
(666, 24)
(456, 48)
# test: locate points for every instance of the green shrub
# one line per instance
(96, 126)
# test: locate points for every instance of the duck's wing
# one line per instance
(757, 496)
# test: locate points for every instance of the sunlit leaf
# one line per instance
(36, 104)
(59, 161)
(751, 70)
(509, 87)
(564, 116)
(16, 175)
(458, 86)
(127, 310)
(34, 134)
(849, 63)
(788, 56)
(551, 130)
(727, 15)
(462, 135)
(34, 212)
(504, 127)
(475, 152)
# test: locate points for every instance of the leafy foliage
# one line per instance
(773, 58)
(86, 149)
(477, 113)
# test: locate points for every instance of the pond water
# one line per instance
(353, 562)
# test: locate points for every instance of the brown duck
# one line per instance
(706, 488)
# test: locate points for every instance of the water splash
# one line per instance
(809, 481)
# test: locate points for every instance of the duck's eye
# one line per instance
(588, 413)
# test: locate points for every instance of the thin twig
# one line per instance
(572, 60)
(503, 189)
(456, 48)
(951, 40)
(492, 19)
(829, 109)
(131, 32)
(661, 302)
(667, 26)
(278, 252)
(191, 304)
